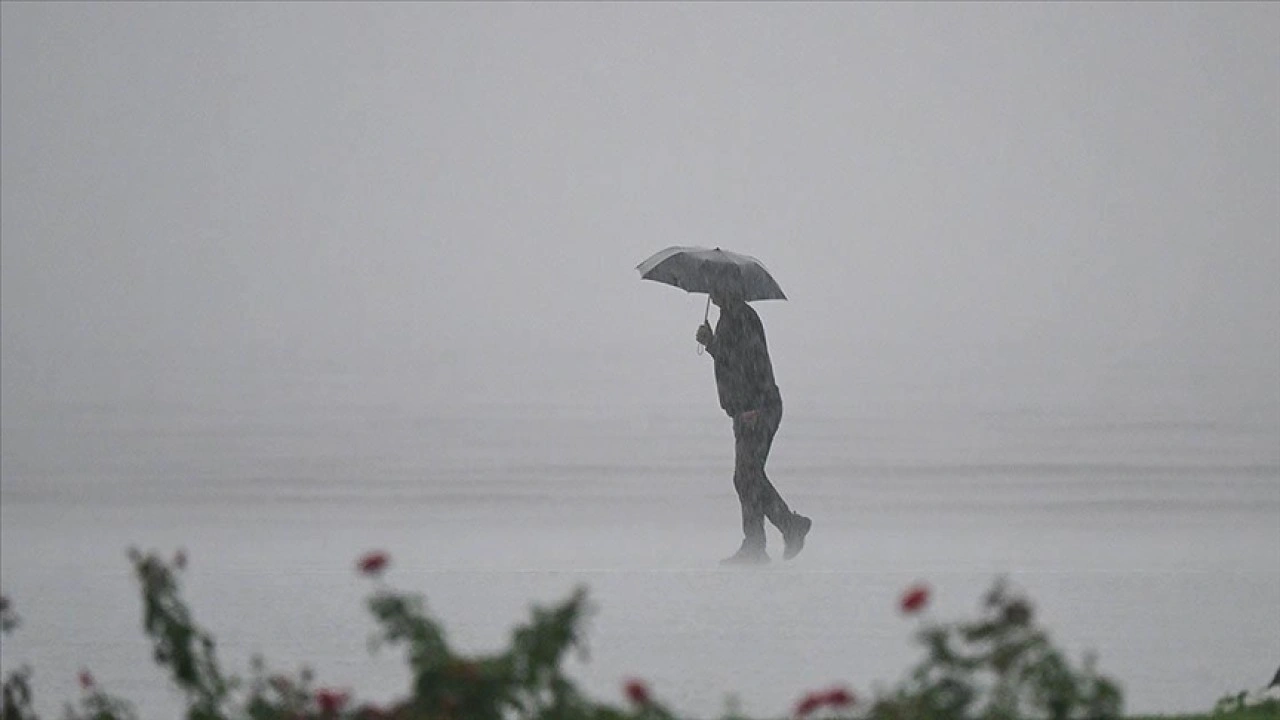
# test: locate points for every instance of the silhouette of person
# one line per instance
(749, 395)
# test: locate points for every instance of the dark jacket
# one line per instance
(744, 374)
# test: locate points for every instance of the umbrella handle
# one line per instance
(706, 315)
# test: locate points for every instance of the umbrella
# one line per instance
(701, 270)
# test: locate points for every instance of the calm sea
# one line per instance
(1149, 537)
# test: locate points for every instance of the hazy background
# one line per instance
(283, 282)
(1011, 203)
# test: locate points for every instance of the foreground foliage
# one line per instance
(1000, 666)
(1269, 710)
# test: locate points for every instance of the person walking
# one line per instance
(749, 395)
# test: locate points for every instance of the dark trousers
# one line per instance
(759, 499)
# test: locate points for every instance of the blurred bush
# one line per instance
(999, 666)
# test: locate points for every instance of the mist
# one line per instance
(283, 282)
(445, 203)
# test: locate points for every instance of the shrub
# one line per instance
(1001, 666)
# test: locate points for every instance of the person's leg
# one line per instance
(794, 526)
(771, 503)
(746, 448)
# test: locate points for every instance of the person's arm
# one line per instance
(759, 371)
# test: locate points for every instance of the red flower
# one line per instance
(914, 599)
(637, 692)
(839, 697)
(373, 563)
(86, 680)
(808, 704)
(331, 701)
(835, 697)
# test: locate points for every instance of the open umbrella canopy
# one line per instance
(712, 271)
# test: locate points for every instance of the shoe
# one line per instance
(794, 537)
(747, 556)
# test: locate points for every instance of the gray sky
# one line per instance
(1035, 201)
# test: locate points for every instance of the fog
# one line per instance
(283, 282)
(1033, 203)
